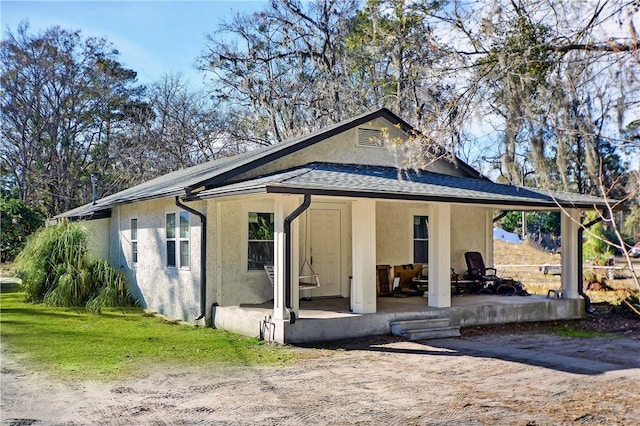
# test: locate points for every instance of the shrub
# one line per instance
(17, 221)
(631, 304)
(595, 282)
(114, 291)
(50, 253)
(55, 269)
(596, 247)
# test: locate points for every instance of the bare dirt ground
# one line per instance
(501, 375)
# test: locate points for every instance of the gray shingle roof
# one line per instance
(218, 171)
(378, 182)
(388, 183)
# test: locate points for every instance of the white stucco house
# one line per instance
(194, 242)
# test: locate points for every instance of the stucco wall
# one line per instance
(237, 283)
(468, 233)
(394, 228)
(343, 148)
(171, 291)
(213, 253)
(98, 244)
(394, 231)
(175, 292)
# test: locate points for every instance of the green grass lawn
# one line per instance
(120, 342)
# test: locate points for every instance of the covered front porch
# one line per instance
(325, 319)
(346, 221)
(375, 231)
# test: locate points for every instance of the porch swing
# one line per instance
(307, 277)
(306, 281)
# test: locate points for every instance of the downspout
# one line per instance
(203, 256)
(501, 215)
(587, 300)
(287, 255)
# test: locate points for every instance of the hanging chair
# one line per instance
(305, 282)
(307, 277)
(310, 279)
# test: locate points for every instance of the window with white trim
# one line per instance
(184, 239)
(134, 241)
(177, 234)
(420, 239)
(170, 228)
(260, 240)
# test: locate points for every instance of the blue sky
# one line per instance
(153, 37)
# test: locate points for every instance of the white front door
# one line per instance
(325, 250)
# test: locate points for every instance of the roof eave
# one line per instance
(289, 189)
(260, 189)
(90, 210)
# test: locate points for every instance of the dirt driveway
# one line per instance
(494, 378)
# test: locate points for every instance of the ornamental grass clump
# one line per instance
(50, 253)
(114, 291)
(56, 270)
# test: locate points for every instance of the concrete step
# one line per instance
(422, 329)
(432, 333)
(399, 327)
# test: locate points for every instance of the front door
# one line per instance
(325, 250)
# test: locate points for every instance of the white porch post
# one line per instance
(440, 255)
(283, 206)
(569, 226)
(363, 225)
(488, 238)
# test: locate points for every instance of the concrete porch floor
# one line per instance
(337, 307)
(323, 319)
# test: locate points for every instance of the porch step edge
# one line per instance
(431, 333)
(418, 324)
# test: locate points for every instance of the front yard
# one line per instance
(506, 377)
(74, 343)
(67, 366)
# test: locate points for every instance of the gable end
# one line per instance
(369, 137)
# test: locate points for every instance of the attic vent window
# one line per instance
(370, 137)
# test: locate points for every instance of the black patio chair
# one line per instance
(489, 281)
(477, 271)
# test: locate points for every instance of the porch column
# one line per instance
(283, 206)
(488, 238)
(363, 225)
(569, 225)
(440, 255)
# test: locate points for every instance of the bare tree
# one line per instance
(557, 79)
(283, 67)
(63, 97)
(550, 84)
(187, 128)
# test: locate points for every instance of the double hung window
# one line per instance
(134, 241)
(420, 239)
(260, 240)
(177, 234)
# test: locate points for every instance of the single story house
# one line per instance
(330, 205)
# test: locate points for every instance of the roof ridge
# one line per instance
(221, 171)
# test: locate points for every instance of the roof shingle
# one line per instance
(391, 183)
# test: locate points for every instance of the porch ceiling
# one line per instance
(347, 180)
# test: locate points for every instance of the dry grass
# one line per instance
(7, 269)
(522, 262)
